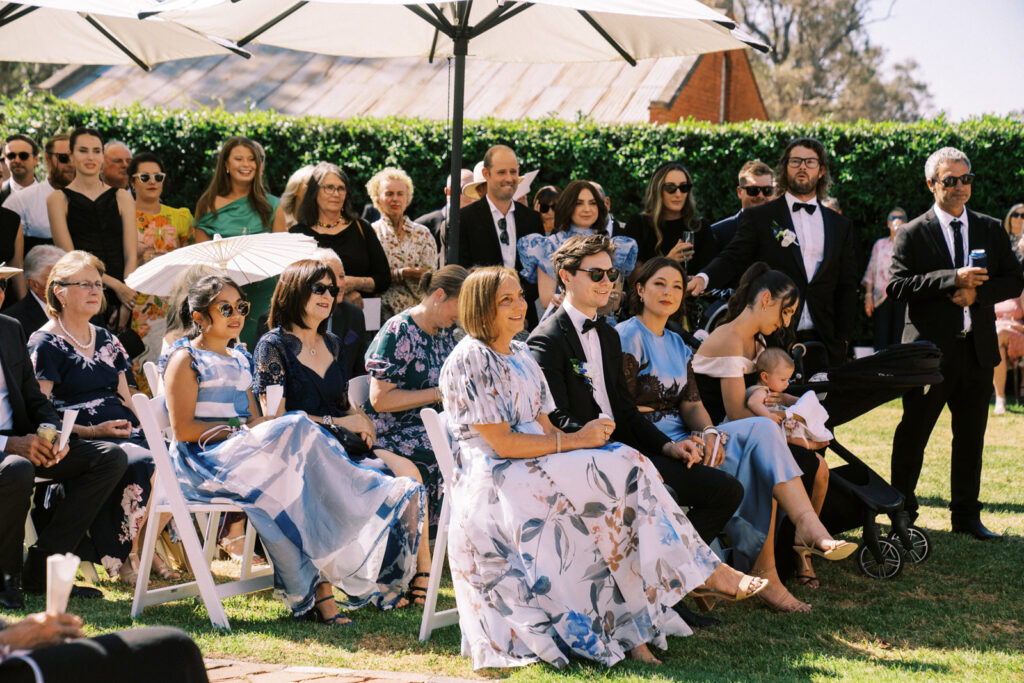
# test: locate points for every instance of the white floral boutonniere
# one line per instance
(784, 236)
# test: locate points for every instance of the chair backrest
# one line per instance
(156, 382)
(440, 441)
(359, 390)
(153, 415)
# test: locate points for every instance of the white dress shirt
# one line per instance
(30, 205)
(595, 361)
(508, 251)
(6, 414)
(810, 233)
(947, 234)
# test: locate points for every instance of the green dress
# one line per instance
(231, 220)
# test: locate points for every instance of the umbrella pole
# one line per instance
(458, 102)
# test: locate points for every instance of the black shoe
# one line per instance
(87, 592)
(11, 596)
(974, 528)
(692, 619)
(33, 579)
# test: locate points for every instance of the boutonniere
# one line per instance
(784, 236)
(579, 368)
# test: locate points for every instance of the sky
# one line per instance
(969, 52)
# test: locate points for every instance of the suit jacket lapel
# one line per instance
(937, 239)
(565, 323)
(830, 239)
(785, 220)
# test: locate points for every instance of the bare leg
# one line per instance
(818, 492)
(326, 605)
(999, 375)
(643, 654)
(403, 467)
(775, 594)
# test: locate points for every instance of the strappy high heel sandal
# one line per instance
(840, 551)
(316, 617)
(743, 592)
(417, 595)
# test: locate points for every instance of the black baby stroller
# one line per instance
(856, 492)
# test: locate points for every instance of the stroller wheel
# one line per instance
(891, 565)
(921, 545)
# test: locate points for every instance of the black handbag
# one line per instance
(352, 443)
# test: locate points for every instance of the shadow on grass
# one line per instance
(989, 506)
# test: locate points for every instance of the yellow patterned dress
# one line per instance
(158, 234)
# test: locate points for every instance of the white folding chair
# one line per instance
(441, 443)
(359, 390)
(156, 382)
(167, 497)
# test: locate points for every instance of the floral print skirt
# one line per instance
(581, 553)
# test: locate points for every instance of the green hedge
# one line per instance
(875, 166)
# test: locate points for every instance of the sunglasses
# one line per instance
(145, 177)
(320, 289)
(544, 208)
(11, 156)
(503, 227)
(227, 310)
(1017, 215)
(950, 181)
(597, 274)
(63, 158)
(897, 217)
(672, 188)
(753, 190)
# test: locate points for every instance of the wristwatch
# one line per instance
(328, 420)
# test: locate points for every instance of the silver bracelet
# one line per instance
(328, 420)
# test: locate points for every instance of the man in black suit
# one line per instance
(490, 227)
(581, 357)
(810, 243)
(437, 221)
(754, 189)
(950, 303)
(31, 310)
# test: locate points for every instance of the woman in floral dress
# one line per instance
(561, 544)
(161, 229)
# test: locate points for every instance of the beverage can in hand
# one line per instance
(47, 432)
(979, 259)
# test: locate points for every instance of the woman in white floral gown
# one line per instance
(560, 544)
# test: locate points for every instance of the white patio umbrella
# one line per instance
(245, 259)
(500, 30)
(101, 32)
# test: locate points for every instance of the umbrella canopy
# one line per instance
(245, 259)
(100, 32)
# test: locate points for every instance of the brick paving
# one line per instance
(230, 671)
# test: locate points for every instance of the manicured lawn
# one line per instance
(957, 616)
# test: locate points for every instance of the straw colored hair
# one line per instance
(65, 267)
(478, 305)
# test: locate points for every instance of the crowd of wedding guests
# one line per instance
(585, 414)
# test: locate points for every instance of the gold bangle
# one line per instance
(558, 442)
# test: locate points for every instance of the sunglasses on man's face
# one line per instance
(146, 177)
(227, 310)
(897, 217)
(320, 289)
(597, 274)
(1017, 215)
(753, 190)
(950, 181)
(63, 158)
(672, 188)
(11, 156)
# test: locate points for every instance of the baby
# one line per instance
(774, 367)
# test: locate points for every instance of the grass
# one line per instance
(957, 616)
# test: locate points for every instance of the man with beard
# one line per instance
(21, 153)
(804, 239)
(30, 203)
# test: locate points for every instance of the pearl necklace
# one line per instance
(73, 338)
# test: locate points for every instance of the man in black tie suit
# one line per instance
(950, 303)
(812, 244)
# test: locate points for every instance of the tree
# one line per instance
(823, 63)
(18, 76)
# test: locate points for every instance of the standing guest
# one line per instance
(21, 153)
(326, 215)
(437, 221)
(162, 229)
(116, 159)
(754, 188)
(490, 228)
(31, 310)
(832, 203)
(294, 482)
(887, 314)
(544, 204)
(91, 216)
(670, 212)
(404, 361)
(951, 304)
(1009, 313)
(810, 243)
(409, 246)
(294, 192)
(30, 205)
(236, 203)
(592, 552)
(1013, 224)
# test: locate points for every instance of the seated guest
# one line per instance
(437, 220)
(31, 310)
(294, 193)
(175, 332)
(326, 215)
(580, 210)
(592, 552)
(299, 354)
(53, 646)
(755, 187)
(83, 367)
(95, 468)
(294, 482)
(544, 204)
(404, 362)
(660, 377)
(409, 246)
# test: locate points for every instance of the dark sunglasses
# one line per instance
(544, 208)
(752, 190)
(144, 177)
(11, 156)
(1017, 215)
(897, 217)
(503, 226)
(597, 274)
(966, 179)
(63, 158)
(320, 289)
(227, 310)
(672, 188)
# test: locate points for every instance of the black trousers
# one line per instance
(16, 477)
(713, 496)
(157, 655)
(966, 389)
(888, 320)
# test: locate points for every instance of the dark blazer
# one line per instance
(29, 313)
(922, 274)
(725, 229)
(349, 324)
(437, 223)
(555, 343)
(29, 408)
(831, 295)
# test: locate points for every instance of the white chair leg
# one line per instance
(146, 560)
(210, 537)
(436, 568)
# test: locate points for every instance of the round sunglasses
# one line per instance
(227, 310)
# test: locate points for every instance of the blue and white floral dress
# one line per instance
(320, 517)
(535, 252)
(581, 553)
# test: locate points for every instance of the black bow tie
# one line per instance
(591, 324)
(809, 208)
